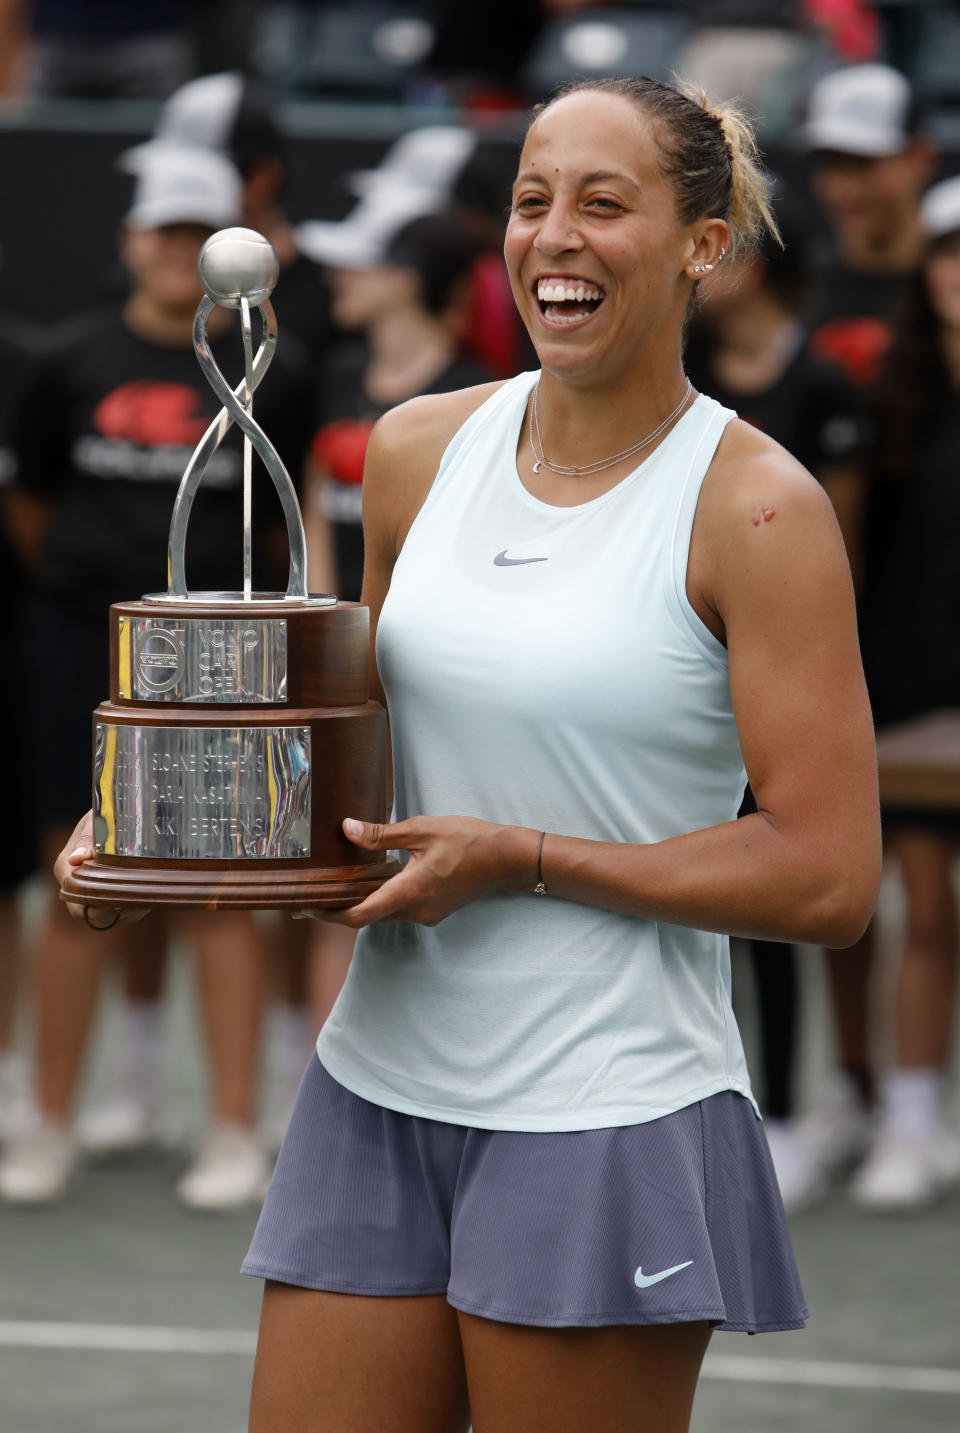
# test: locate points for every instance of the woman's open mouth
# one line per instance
(568, 300)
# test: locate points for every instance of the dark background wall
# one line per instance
(62, 197)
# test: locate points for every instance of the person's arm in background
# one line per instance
(40, 440)
(333, 496)
(26, 516)
(321, 553)
(841, 437)
(846, 486)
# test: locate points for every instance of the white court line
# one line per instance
(139, 1338)
(125, 1338)
(826, 1373)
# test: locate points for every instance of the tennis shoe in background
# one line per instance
(231, 1170)
(803, 1181)
(810, 1153)
(38, 1165)
(907, 1172)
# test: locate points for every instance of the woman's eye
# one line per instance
(610, 205)
(529, 202)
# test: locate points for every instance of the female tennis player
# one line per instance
(525, 1177)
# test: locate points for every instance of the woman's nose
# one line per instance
(559, 232)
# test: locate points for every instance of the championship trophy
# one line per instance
(239, 730)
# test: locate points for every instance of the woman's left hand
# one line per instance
(453, 860)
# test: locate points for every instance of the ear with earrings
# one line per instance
(707, 268)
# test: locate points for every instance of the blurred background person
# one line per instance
(230, 114)
(870, 162)
(748, 347)
(18, 860)
(105, 430)
(910, 607)
(404, 295)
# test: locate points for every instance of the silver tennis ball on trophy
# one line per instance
(237, 264)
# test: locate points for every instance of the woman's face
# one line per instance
(163, 264)
(942, 271)
(360, 296)
(869, 198)
(598, 260)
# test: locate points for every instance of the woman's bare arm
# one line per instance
(769, 574)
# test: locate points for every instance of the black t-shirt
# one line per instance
(346, 414)
(301, 302)
(910, 608)
(811, 409)
(852, 319)
(18, 353)
(108, 424)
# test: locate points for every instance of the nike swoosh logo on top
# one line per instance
(502, 560)
(643, 1281)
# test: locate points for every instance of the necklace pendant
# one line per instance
(536, 466)
(573, 472)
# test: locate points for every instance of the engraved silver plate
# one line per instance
(202, 793)
(234, 660)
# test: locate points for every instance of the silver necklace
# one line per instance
(542, 461)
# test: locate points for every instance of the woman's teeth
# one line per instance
(568, 301)
(567, 293)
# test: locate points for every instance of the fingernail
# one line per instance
(80, 851)
(353, 828)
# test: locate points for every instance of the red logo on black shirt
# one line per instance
(856, 345)
(153, 414)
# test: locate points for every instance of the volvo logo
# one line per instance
(160, 660)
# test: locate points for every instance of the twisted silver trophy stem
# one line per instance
(237, 408)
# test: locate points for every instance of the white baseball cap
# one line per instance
(227, 113)
(364, 237)
(940, 209)
(862, 109)
(176, 185)
(431, 158)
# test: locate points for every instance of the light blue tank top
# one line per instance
(544, 668)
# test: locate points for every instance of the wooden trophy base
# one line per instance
(101, 882)
(235, 740)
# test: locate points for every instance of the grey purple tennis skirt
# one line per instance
(675, 1220)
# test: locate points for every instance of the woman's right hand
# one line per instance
(77, 850)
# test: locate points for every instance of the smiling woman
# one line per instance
(515, 1184)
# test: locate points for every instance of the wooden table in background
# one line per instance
(919, 762)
